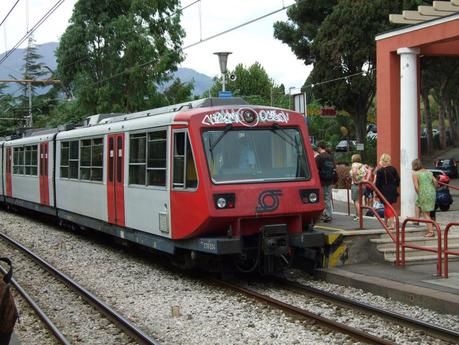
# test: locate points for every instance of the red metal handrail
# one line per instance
(446, 251)
(396, 238)
(448, 185)
(404, 245)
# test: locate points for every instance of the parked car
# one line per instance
(343, 146)
(449, 166)
(437, 173)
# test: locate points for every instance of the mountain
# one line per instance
(202, 82)
(12, 67)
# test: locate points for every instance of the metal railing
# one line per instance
(396, 238)
(438, 250)
(446, 250)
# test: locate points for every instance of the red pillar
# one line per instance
(388, 104)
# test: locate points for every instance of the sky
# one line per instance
(249, 44)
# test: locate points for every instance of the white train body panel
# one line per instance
(88, 199)
(145, 207)
(25, 183)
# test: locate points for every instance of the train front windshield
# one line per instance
(255, 155)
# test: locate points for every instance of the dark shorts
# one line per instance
(368, 193)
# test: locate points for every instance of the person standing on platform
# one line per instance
(425, 185)
(327, 172)
(387, 181)
(358, 173)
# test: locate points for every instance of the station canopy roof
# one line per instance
(425, 13)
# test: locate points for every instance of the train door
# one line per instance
(44, 184)
(115, 179)
(9, 182)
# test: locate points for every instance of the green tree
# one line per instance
(6, 105)
(31, 69)
(338, 37)
(115, 53)
(178, 92)
(254, 85)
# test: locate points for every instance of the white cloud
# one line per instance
(251, 43)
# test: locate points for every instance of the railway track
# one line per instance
(128, 328)
(355, 333)
(428, 328)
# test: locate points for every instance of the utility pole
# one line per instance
(29, 120)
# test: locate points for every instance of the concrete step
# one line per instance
(426, 257)
(410, 252)
(408, 231)
(414, 237)
(420, 241)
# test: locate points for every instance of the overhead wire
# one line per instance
(128, 69)
(31, 31)
(9, 12)
(202, 40)
(169, 16)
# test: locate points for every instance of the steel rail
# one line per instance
(325, 322)
(431, 329)
(40, 313)
(128, 327)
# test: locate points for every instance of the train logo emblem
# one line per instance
(268, 200)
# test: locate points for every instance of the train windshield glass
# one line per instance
(255, 155)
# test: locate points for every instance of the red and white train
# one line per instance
(213, 179)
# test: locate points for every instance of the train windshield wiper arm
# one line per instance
(226, 130)
(286, 137)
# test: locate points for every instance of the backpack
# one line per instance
(327, 171)
(361, 173)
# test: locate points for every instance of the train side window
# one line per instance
(73, 159)
(184, 169)
(156, 152)
(22, 157)
(97, 154)
(179, 160)
(30, 163)
(91, 153)
(16, 160)
(21, 160)
(34, 160)
(85, 159)
(191, 177)
(65, 150)
(137, 158)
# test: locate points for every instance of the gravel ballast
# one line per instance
(177, 309)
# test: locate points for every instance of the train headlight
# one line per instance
(249, 116)
(313, 197)
(223, 201)
(309, 196)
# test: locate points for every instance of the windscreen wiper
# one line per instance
(226, 130)
(286, 137)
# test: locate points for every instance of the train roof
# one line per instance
(115, 122)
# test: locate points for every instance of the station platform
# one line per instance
(416, 283)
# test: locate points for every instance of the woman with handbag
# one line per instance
(387, 181)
